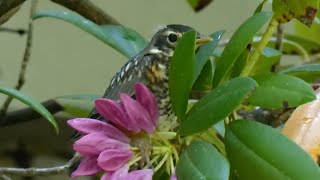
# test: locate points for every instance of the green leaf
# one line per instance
(238, 42)
(280, 90)
(305, 11)
(125, 40)
(201, 160)
(216, 105)
(204, 80)
(35, 105)
(267, 60)
(198, 5)
(77, 105)
(307, 72)
(267, 153)
(241, 62)
(181, 73)
(204, 53)
(259, 8)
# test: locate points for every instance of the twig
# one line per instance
(40, 171)
(278, 44)
(8, 8)
(4, 177)
(279, 37)
(88, 10)
(25, 60)
(15, 31)
(28, 114)
(84, 7)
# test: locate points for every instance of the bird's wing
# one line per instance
(124, 81)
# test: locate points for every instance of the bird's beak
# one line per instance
(203, 40)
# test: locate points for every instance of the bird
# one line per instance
(151, 67)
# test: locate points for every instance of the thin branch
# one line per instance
(84, 7)
(88, 10)
(14, 31)
(4, 177)
(25, 60)
(8, 8)
(279, 37)
(40, 171)
(28, 114)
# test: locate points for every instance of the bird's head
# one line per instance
(165, 40)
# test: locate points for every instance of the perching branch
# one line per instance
(84, 7)
(88, 10)
(15, 31)
(28, 114)
(40, 171)
(25, 60)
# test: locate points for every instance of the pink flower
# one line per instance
(123, 174)
(130, 114)
(105, 147)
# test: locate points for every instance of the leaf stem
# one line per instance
(262, 44)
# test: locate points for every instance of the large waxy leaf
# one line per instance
(204, 53)
(198, 5)
(238, 42)
(204, 80)
(77, 105)
(125, 40)
(280, 90)
(307, 72)
(216, 105)
(35, 105)
(304, 11)
(181, 73)
(202, 161)
(256, 151)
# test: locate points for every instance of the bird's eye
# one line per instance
(172, 37)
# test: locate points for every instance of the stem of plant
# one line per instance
(262, 44)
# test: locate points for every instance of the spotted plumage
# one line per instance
(151, 67)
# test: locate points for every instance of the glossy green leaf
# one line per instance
(238, 42)
(305, 11)
(266, 62)
(241, 62)
(280, 90)
(307, 72)
(198, 5)
(204, 53)
(77, 105)
(256, 151)
(125, 40)
(216, 105)
(259, 8)
(204, 80)
(35, 105)
(201, 160)
(181, 73)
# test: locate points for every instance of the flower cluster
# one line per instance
(128, 145)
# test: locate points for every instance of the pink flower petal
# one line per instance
(87, 125)
(106, 176)
(113, 159)
(145, 174)
(93, 144)
(137, 113)
(120, 174)
(145, 97)
(87, 167)
(112, 111)
(173, 176)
